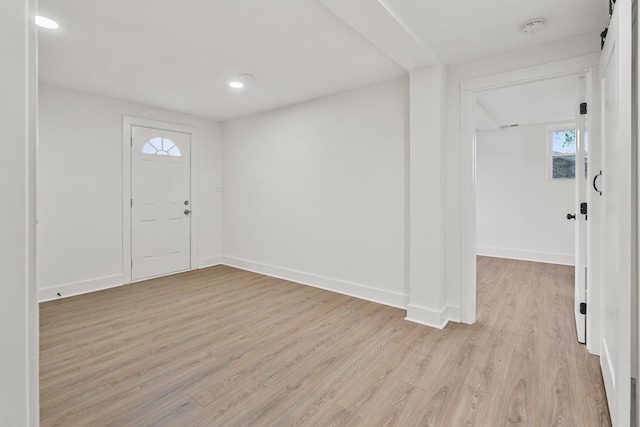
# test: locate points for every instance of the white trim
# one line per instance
(79, 288)
(209, 262)
(468, 88)
(608, 371)
(594, 227)
(453, 313)
(127, 122)
(433, 318)
(468, 234)
(342, 287)
(546, 257)
(126, 200)
(573, 66)
(635, 263)
(157, 124)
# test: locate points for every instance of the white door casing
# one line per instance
(595, 222)
(579, 66)
(636, 307)
(580, 285)
(617, 240)
(158, 237)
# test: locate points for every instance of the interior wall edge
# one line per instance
(209, 261)
(356, 290)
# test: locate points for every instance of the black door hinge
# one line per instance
(583, 210)
(583, 108)
(583, 308)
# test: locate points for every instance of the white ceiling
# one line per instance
(547, 101)
(461, 31)
(180, 54)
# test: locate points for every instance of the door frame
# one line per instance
(127, 122)
(635, 353)
(580, 66)
(581, 194)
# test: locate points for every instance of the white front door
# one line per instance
(580, 295)
(160, 202)
(617, 241)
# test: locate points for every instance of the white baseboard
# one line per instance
(608, 374)
(209, 262)
(433, 318)
(550, 258)
(347, 288)
(78, 288)
(453, 313)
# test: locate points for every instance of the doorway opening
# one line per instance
(585, 67)
(530, 176)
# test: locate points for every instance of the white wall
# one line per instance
(315, 192)
(18, 305)
(304, 185)
(427, 215)
(521, 212)
(80, 189)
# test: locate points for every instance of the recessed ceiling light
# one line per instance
(533, 25)
(45, 22)
(240, 81)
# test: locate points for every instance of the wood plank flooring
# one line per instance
(225, 347)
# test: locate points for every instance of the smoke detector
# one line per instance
(533, 25)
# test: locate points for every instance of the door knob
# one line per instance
(187, 211)
(571, 216)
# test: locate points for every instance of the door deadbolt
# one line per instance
(186, 203)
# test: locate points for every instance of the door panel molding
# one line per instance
(127, 123)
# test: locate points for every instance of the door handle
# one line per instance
(571, 216)
(187, 211)
(594, 183)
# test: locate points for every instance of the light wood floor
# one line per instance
(221, 346)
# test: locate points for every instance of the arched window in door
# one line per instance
(161, 147)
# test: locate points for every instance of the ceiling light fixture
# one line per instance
(47, 23)
(533, 25)
(240, 80)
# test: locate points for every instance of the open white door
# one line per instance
(580, 299)
(618, 213)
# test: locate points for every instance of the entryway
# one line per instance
(531, 177)
(158, 200)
